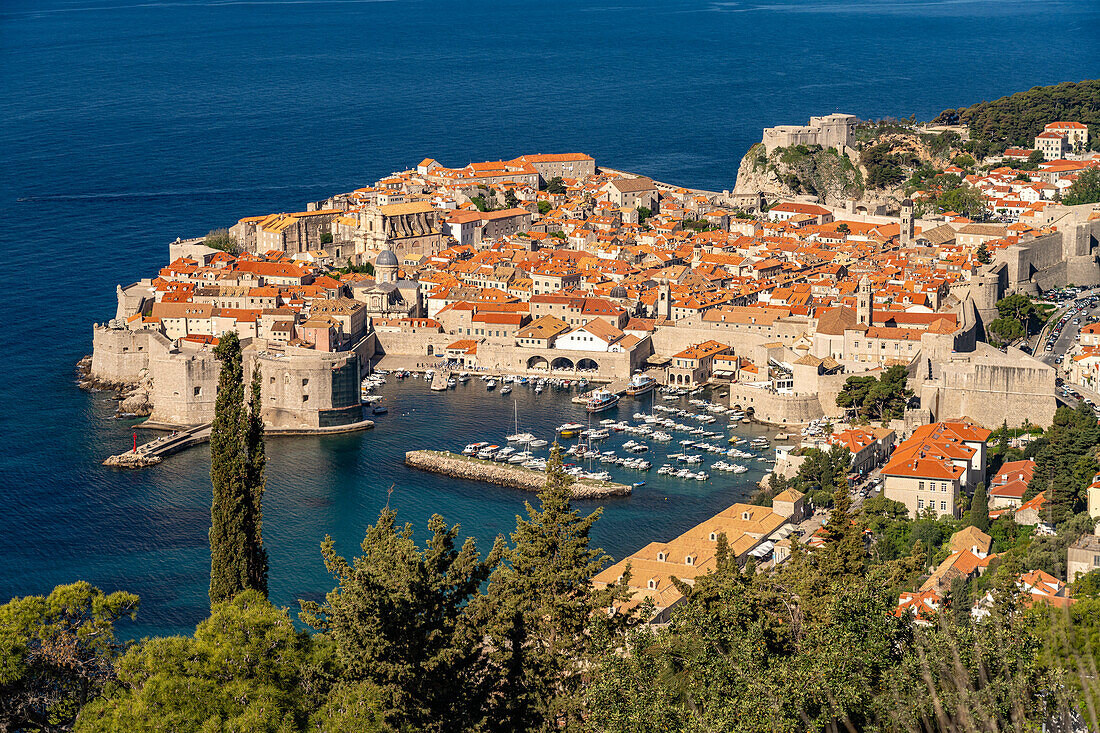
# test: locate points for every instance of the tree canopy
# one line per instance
(1018, 118)
(882, 398)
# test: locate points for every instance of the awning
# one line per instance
(763, 550)
(658, 360)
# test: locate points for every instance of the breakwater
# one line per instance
(501, 474)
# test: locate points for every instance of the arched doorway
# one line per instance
(587, 365)
(562, 364)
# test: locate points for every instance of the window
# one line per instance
(943, 506)
(1096, 561)
(943, 486)
(305, 382)
(689, 560)
(198, 391)
(305, 398)
(920, 486)
(661, 557)
(920, 503)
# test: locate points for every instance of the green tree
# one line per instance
(510, 199)
(1085, 190)
(644, 212)
(402, 620)
(884, 398)
(1018, 307)
(481, 203)
(543, 616)
(238, 559)
(843, 228)
(222, 240)
(545, 207)
(979, 509)
(983, 256)
(246, 669)
(555, 186)
(963, 200)
(1006, 329)
(57, 654)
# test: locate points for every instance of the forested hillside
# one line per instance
(1018, 118)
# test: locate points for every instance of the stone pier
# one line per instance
(504, 474)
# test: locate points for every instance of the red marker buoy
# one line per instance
(135, 442)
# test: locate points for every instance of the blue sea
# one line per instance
(126, 124)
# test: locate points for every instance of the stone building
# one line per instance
(831, 131)
(302, 389)
(402, 228)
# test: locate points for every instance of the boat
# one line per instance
(601, 400)
(641, 384)
(521, 438)
(503, 454)
(538, 443)
(487, 451)
(491, 384)
(569, 429)
(638, 484)
(473, 448)
(380, 410)
(506, 390)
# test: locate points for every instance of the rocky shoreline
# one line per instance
(133, 397)
(514, 477)
(132, 460)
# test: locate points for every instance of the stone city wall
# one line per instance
(775, 408)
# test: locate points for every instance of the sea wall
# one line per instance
(775, 408)
(502, 474)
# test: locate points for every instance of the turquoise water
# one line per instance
(126, 124)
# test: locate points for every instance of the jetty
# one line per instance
(153, 452)
(504, 474)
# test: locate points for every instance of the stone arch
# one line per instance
(587, 364)
(431, 350)
(562, 363)
(538, 362)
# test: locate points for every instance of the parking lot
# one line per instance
(1078, 308)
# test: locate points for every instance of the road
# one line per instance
(1066, 340)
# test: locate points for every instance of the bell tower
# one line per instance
(865, 301)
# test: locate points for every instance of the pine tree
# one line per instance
(237, 556)
(979, 509)
(844, 555)
(404, 621)
(542, 610)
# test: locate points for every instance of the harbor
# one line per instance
(633, 434)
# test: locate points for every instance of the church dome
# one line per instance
(619, 292)
(386, 259)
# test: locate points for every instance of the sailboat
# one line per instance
(518, 437)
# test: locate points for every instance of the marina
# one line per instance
(619, 433)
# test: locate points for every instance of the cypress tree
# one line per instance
(237, 556)
(979, 509)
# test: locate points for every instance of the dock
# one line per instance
(153, 452)
(457, 465)
(616, 387)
